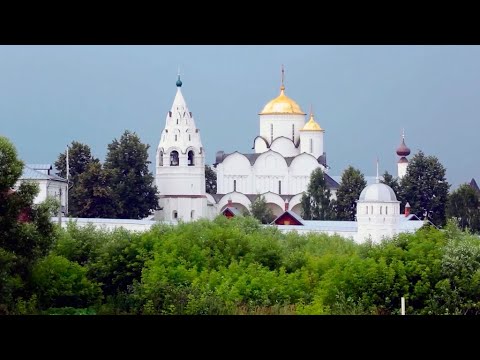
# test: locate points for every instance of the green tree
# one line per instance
(94, 196)
(463, 204)
(425, 187)
(316, 203)
(79, 158)
(61, 283)
(131, 181)
(210, 180)
(26, 232)
(260, 211)
(352, 184)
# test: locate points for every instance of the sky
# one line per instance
(363, 96)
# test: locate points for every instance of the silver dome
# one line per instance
(378, 192)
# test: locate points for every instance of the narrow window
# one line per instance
(191, 157)
(192, 214)
(175, 137)
(175, 214)
(380, 210)
(174, 158)
(189, 137)
(234, 185)
(280, 187)
(293, 132)
(160, 159)
(371, 210)
(386, 210)
(177, 121)
(367, 209)
(311, 145)
(271, 133)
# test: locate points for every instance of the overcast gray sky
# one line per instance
(361, 95)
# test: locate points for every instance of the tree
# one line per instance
(425, 187)
(79, 158)
(464, 205)
(352, 184)
(26, 232)
(316, 201)
(94, 195)
(389, 180)
(131, 181)
(210, 180)
(260, 211)
(62, 283)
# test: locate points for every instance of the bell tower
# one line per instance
(180, 165)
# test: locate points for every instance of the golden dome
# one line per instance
(312, 125)
(282, 105)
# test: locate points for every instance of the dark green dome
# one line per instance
(179, 82)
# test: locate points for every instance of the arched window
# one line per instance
(191, 157)
(192, 214)
(189, 137)
(311, 145)
(386, 210)
(293, 132)
(175, 214)
(174, 158)
(234, 185)
(271, 133)
(367, 209)
(175, 137)
(280, 187)
(380, 210)
(160, 159)
(177, 121)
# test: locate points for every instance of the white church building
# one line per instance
(286, 151)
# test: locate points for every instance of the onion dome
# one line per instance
(179, 82)
(282, 105)
(312, 125)
(403, 150)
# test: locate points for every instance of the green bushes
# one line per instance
(236, 266)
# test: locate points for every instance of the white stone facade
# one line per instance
(49, 185)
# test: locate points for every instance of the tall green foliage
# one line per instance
(210, 180)
(425, 188)
(464, 205)
(26, 232)
(94, 195)
(316, 203)
(131, 181)
(259, 210)
(352, 184)
(79, 159)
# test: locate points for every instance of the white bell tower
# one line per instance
(403, 151)
(180, 165)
